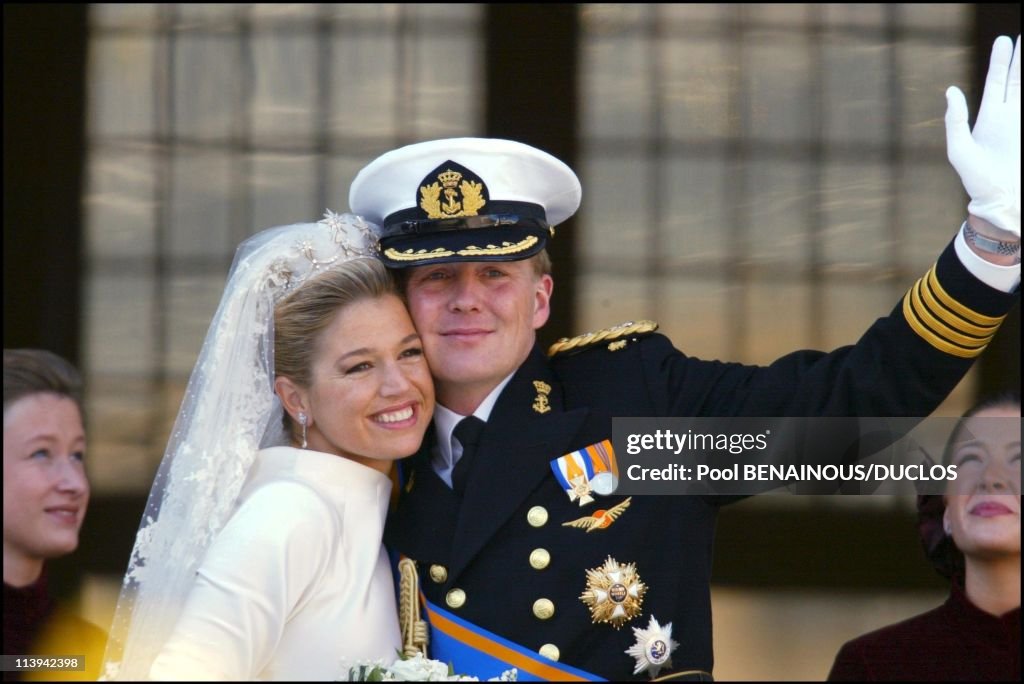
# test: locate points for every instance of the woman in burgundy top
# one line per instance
(45, 496)
(972, 536)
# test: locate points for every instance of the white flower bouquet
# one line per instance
(417, 669)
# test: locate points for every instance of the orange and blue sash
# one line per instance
(476, 652)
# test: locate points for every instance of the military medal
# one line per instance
(614, 593)
(601, 519)
(602, 457)
(573, 473)
(653, 647)
(591, 469)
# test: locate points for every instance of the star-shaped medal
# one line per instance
(653, 648)
(614, 593)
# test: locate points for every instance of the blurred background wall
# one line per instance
(757, 178)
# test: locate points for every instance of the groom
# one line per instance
(515, 571)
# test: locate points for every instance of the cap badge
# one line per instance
(598, 520)
(450, 191)
(540, 404)
(653, 647)
(614, 593)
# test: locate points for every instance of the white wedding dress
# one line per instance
(297, 585)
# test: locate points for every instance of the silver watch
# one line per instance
(987, 244)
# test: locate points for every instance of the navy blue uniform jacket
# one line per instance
(484, 540)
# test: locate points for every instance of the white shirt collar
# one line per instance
(448, 450)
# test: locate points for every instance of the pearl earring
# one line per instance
(303, 421)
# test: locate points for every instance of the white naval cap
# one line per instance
(464, 199)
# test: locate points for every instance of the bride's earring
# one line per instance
(303, 421)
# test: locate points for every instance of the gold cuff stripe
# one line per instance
(930, 337)
(957, 307)
(470, 251)
(922, 291)
(940, 328)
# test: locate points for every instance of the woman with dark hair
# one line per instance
(46, 493)
(972, 536)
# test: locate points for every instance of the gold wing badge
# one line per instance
(599, 520)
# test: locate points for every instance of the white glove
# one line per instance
(988, 159)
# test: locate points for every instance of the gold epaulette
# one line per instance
(613, 336)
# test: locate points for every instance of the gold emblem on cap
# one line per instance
(614, 593)
(540, 404)
(599, 520)
(460, 199)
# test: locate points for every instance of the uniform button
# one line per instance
(455, 598)
(550, 651)
(438, 573)
(540, 559)
(543, 608)
(537, 516)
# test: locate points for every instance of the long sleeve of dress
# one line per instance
(255, 576)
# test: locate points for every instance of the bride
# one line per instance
(259, 555)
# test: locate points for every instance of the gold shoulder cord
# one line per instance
(414, 630)
(608, 334)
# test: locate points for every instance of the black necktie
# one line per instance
(468, 433)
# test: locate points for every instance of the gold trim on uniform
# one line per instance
(472, 250)
(455, 598)
(438, 573)
(939, 325)
(608, 334)
(540, 404)
(412, 628)
(537, 516)
(540, 559)
(543, 609)
(614, 593)
(598, 520)
(957, 307)
(945, 323)
(410, 255)
(495, 250)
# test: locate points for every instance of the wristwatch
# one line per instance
(987, 244)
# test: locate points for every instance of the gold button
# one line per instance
(455, 598)
(537, 516)
(540, 559)
(543, 608)
(550, 651)
(438, 573)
